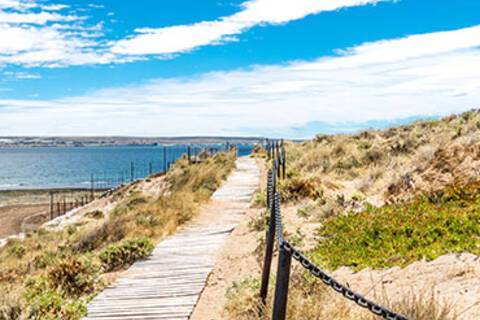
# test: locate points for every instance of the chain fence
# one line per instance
(276, 153)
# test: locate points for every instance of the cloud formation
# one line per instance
(421, 75)
(184, 38)
(37, 34)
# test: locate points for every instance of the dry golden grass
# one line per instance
(334, 176)
(385, 166)
(30, 269)
(310, 299)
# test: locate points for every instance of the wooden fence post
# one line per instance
(51, 205)
(164, 159)
(92, 186)
(132, 171)
(270, 240)
(281, 287)
(283, 159)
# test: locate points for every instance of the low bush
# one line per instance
(115, 257)
(17, 250)
(398, 234)
(111, 230)
(72, 276)
(95, 214)
(299, 187)
(51, 305)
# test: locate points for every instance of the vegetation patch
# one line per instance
(53, 274)
(115, 257)
(396, 235)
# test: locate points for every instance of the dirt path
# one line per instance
(167, 285)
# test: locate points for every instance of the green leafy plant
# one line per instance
(115, 257)
(424, 228)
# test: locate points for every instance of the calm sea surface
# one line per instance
(73, 167)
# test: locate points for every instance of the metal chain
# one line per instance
(338, 287)
(316, 271)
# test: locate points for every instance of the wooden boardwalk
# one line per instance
(168, 284)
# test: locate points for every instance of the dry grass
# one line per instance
(310, 299)
(30, 270)
(341, 176)
(385, 166)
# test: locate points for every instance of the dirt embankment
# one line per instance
(17, 206)
(11, 217)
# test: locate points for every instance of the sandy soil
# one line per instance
(234, 262)
(11, 217)
(453, 279)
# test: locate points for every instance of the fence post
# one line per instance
(164, 159)
(281, 287)
(150, 168)
(92, 187)
(132, 171)
(270, 239)
(283, 159)
(189, 154)
(51, 205)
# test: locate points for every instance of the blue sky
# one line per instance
(260, 67)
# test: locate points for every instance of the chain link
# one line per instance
(337, 286)
(310, 266)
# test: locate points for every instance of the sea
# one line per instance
(82, 167)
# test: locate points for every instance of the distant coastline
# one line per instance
(78, 142)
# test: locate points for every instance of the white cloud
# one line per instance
(33, 18)
(27, 24)
(32, 35)
(20, 75)
(183, 38)
(441, 76)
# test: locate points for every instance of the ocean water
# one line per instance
(57, 167)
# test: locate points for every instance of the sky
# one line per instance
(275, 68)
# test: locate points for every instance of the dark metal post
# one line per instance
(132, 171)
(270, 240)
(281, 287)
(92, 186)
(150, 168)
(51, 205)
(189, 154)
(283, 160)
(164, 159)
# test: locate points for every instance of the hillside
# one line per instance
(53, 273)
(378, 209)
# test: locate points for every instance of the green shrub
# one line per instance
(17, 250)
(111, 230)
(116, 257)
(260, 222)
(260, 199)
(45, 259)
(51, 305)
(148, 219)
(95, 214)
(426, 227)
(72, 276)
